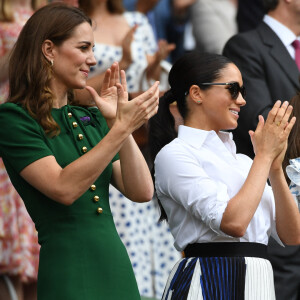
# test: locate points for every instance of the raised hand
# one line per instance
(133, 114)
(270, 137)
(164, 49)
(108, 99)
(126, 48)
(114, 105)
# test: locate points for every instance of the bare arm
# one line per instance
(153, 69)
(287, 213)
(131, 174)
(67, 184)
(269, 141)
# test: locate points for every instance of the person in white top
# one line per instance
(218, 204)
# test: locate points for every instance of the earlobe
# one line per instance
(47, 49)
(195, 94)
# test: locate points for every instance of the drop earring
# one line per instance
(51, 62)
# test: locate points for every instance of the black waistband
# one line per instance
(230, 249)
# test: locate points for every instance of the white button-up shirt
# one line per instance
(195, 177)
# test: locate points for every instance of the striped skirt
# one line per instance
(221, 278)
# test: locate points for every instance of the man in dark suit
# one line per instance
(266, 59)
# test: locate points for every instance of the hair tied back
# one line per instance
(169, 96)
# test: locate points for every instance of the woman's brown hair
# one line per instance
(113, 6)
(293, 148)
(29, 71)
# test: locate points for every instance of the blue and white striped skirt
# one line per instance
(221, 278)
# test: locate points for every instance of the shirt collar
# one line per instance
(283, 32)
(196, 137)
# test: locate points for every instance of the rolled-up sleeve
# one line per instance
(180, 176)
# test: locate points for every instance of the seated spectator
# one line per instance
(214, 22)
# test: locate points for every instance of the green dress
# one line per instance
(81, 256)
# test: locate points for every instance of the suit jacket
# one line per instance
(269, 73)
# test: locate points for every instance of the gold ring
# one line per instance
(278, 123)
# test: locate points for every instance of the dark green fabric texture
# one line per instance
(82, 256)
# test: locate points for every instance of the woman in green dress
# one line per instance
(61, 158)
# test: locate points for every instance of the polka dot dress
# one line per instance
(143, 44)
(148, 243)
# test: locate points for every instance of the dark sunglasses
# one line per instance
(233, 87)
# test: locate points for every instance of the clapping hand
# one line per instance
(270, 137)
(108, 99)
(114, 105)
(126, 48)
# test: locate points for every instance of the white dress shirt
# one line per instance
(195, 177)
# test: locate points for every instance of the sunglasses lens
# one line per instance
(235, 89)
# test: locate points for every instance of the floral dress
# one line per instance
(19, 249)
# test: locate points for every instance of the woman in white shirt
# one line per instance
(218, 204)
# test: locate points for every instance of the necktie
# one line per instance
(296, 45)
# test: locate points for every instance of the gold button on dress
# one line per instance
(84, 149)
(96, 198)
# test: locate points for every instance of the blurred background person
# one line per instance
(213, 22)
(127, 37)
(169, 20)
(19, 249)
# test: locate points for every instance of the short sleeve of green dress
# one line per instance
(81, 256)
